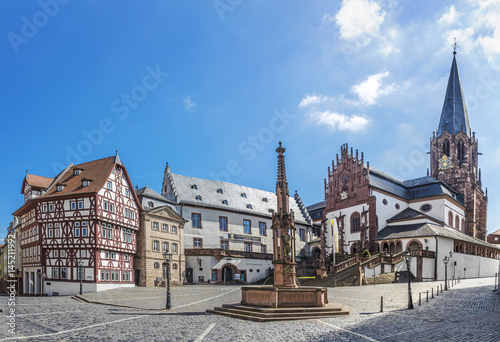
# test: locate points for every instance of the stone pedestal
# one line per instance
(284, 275)
(283, 297)
(321, 273)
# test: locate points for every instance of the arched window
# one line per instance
(457, 222)
(446, 148)
(450, 219)
(460, 150)
(355, 222)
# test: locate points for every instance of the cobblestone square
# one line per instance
(469, 311)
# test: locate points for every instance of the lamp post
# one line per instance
(407, 258)
(446, 260)
(168, 259)
(80, 272)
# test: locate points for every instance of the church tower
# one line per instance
(454, 157)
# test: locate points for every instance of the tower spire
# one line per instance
(281, 184)
(454, 117)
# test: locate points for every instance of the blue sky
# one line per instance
(212, 86)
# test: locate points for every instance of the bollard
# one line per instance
(420, 298)
(382, 304)
(427, 298)
(432, 293)
(496, 276)
(437, 291)
(441, 287)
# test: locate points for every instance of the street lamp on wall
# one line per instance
(199, 261)
(407, 259)
(446, 261)
(168, 260)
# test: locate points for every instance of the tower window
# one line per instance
(446, 148)
(460, 151)
(355, 222)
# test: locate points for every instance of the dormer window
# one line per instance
(85, 182)
(151, 204)
(243, 195)
(264, 199)
(219, 191)
(60, 187)
(198, 198)
(225, 202)
(249, 206)
(194, 186)
(76, 172)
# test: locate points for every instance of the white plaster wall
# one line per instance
(348, 236)
(385, 212)
(212, 236)
(428, 269)
(207, 262)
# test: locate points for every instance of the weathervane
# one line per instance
(455, 46)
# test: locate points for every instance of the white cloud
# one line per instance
(449, 17)
(386, 48)
(465, 39)
(372, 88)
(339, 121)
(309, 100)
(489, 14)
(188, 103)
(359, 18)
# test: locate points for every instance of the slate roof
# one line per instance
(413, 188)
(147, 194)
(261, 201)
(316, 210)
(454, 115)
(406, 214)
(425, 230)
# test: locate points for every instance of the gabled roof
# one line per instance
(238, 197)
(151, 199)
(427, 230)
(168, 209)
(150, 193)
(454, 117)
(407, 214)
(36, 181)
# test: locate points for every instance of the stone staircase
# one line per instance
(265, 314)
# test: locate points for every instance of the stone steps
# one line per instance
(263, 314)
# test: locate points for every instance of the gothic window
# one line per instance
(460, 150)
(450, 219)
(446, 148)
(355, 222)
(457, 222)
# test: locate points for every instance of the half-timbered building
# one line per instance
(81, 225)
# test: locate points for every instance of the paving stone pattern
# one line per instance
(469, 311)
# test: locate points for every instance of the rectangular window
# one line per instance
(55, 272)
(132, 214)
(111, 208)
(51, 207)
(248, 247)
(77, 229)
(224, 244)
(73, 205)
(107, 275)
(223, 223)
(110, 232)
(44, 208)
(103, 276)
(247, 228)
(62, 254)
(124, 235)
(262, 229)
(263, 248)
(196, 220)
(63, 273)
(126, 212)
(110, 185)
(174, 248)
(104, 233)
(127, 193)
(80, 204)
(155, 225)
(106, 206)
(84, 229)
(129, 235)
(112, 256)
(174, 229)
(197, 243)
(83, 253)
(156, 245)
(165, 246)
(126, 257)
(164, 227)
(56, 253)
(302, 234)
(106, 254)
